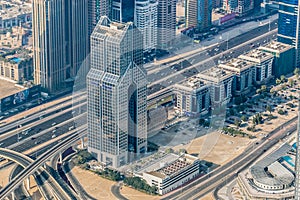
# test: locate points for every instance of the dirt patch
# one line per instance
(93, 184)
(133, 194)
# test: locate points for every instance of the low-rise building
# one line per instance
(243, 71)
(156, 118)
(14, 39)
(269, 178)
(172, 172)
(17, 67)
(192, 96)
(263, 65)
(220, 83)
(284, 57)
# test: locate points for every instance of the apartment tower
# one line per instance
(145, 18)
(166, 23)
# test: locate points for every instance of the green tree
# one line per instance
(244, 118)
(281, 112)
(278, 81)
(263, 88)
(182, 151)
(237, 122)
(169, 150)
(282, 78)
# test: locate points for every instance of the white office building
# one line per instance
(145, 18)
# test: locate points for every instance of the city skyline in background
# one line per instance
(179, 99)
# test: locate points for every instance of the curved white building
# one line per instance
(145, 18)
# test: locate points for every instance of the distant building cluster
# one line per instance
(217, 85)
(14, 38)
(240, 7)
(15, 12)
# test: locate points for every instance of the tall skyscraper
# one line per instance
(198, 14)
(288, 25)
(60, 39)
(166, 23)
(122, 10)
(145, 18)
(297, 167)
(117, 93)
(96, 9)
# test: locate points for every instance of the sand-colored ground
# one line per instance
(133, 194)
(4, 175)
(216, 147)
(100, 188)
(34, 191)
(209, 196)
(93, 184)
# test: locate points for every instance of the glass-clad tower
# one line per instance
(117, 94)
(288, 24)
(60, 42)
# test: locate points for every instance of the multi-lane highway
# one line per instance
(209, 182)
(41, 160)
(54, 121)
(39, 130)
(166, 75)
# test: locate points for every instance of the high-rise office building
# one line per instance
(117, 94)
(96, 9)
(60, 39)
(122, 10)
(288, 25)
(145, 18)
(166, 23)
(198, 14)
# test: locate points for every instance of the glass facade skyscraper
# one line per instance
(198, 14)
(288, 24)
(122, 10)
(60, 41)
(117, 94)
(96, 9)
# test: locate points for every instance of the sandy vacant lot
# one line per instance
(100, 188)
(93, 184)
(216, 147)
(132, 194)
